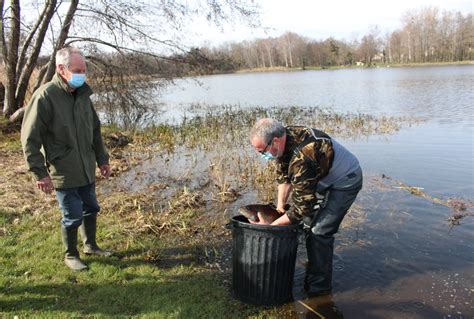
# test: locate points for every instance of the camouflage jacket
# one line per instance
(304, 162)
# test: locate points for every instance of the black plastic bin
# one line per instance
(263, 259)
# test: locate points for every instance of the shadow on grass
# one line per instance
(163, 258)
(167, 282)
(182, 296)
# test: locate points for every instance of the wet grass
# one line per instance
(172, 250)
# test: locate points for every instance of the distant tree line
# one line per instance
(426, 35)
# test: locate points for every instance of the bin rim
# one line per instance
(240, 221)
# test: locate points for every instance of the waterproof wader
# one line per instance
(320, 239)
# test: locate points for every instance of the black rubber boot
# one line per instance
(88, 233)
(318, 280)
(71, 259)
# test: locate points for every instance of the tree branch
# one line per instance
(109, 19)
(26, 44)
(2, 34)
(60, 42)
(119, 48)
(30, 64)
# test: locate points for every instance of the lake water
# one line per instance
(404, 260)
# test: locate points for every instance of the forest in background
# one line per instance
(425, 36)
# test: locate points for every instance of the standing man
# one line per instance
(62, 143)
(324, 179)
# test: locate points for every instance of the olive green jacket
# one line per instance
(61, 136)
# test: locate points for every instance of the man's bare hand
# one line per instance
(281, 209)
(45, 184)
(105, 170)
(260, 221)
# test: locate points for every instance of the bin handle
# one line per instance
(228, 225)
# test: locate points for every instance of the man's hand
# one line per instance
(281, 209)
(282, 221)
(105, 170)
(45, 184)
(260, 220)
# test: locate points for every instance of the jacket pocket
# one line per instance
(58, 153)
(61, 136)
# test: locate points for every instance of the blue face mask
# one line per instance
(268, 156)
(77, 80)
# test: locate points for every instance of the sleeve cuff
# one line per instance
(293, 219)
(39, 173)
(102, 160)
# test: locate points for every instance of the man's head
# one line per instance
(71, 66)
(268, 137)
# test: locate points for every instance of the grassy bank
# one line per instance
(164, 212)
(165, 265)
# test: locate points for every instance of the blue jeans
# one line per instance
(75, 203)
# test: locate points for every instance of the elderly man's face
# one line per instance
(76, 66)
(275, 147)
(260, 146)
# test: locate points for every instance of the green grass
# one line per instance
(9, 135)
(150, 278)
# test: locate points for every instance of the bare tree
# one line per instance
(121, 25)
(369, 46)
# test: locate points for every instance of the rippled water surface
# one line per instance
(404, 260)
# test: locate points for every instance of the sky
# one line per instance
(320, 19)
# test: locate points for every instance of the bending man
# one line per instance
(324, 179)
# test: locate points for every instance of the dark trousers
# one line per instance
(320, 237)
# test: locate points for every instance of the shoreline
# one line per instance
(317, 68)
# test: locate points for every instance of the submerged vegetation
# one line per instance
(460, 208)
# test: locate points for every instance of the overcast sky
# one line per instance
(320, 19)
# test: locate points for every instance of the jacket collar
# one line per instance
(85, 89)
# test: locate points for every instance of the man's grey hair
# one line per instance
(63, 56)
(266, 129)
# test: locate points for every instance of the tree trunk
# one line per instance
(27, 42)
(30, 64)
(270, 59)
(18, 115)
(59, 44)
(11, 57)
